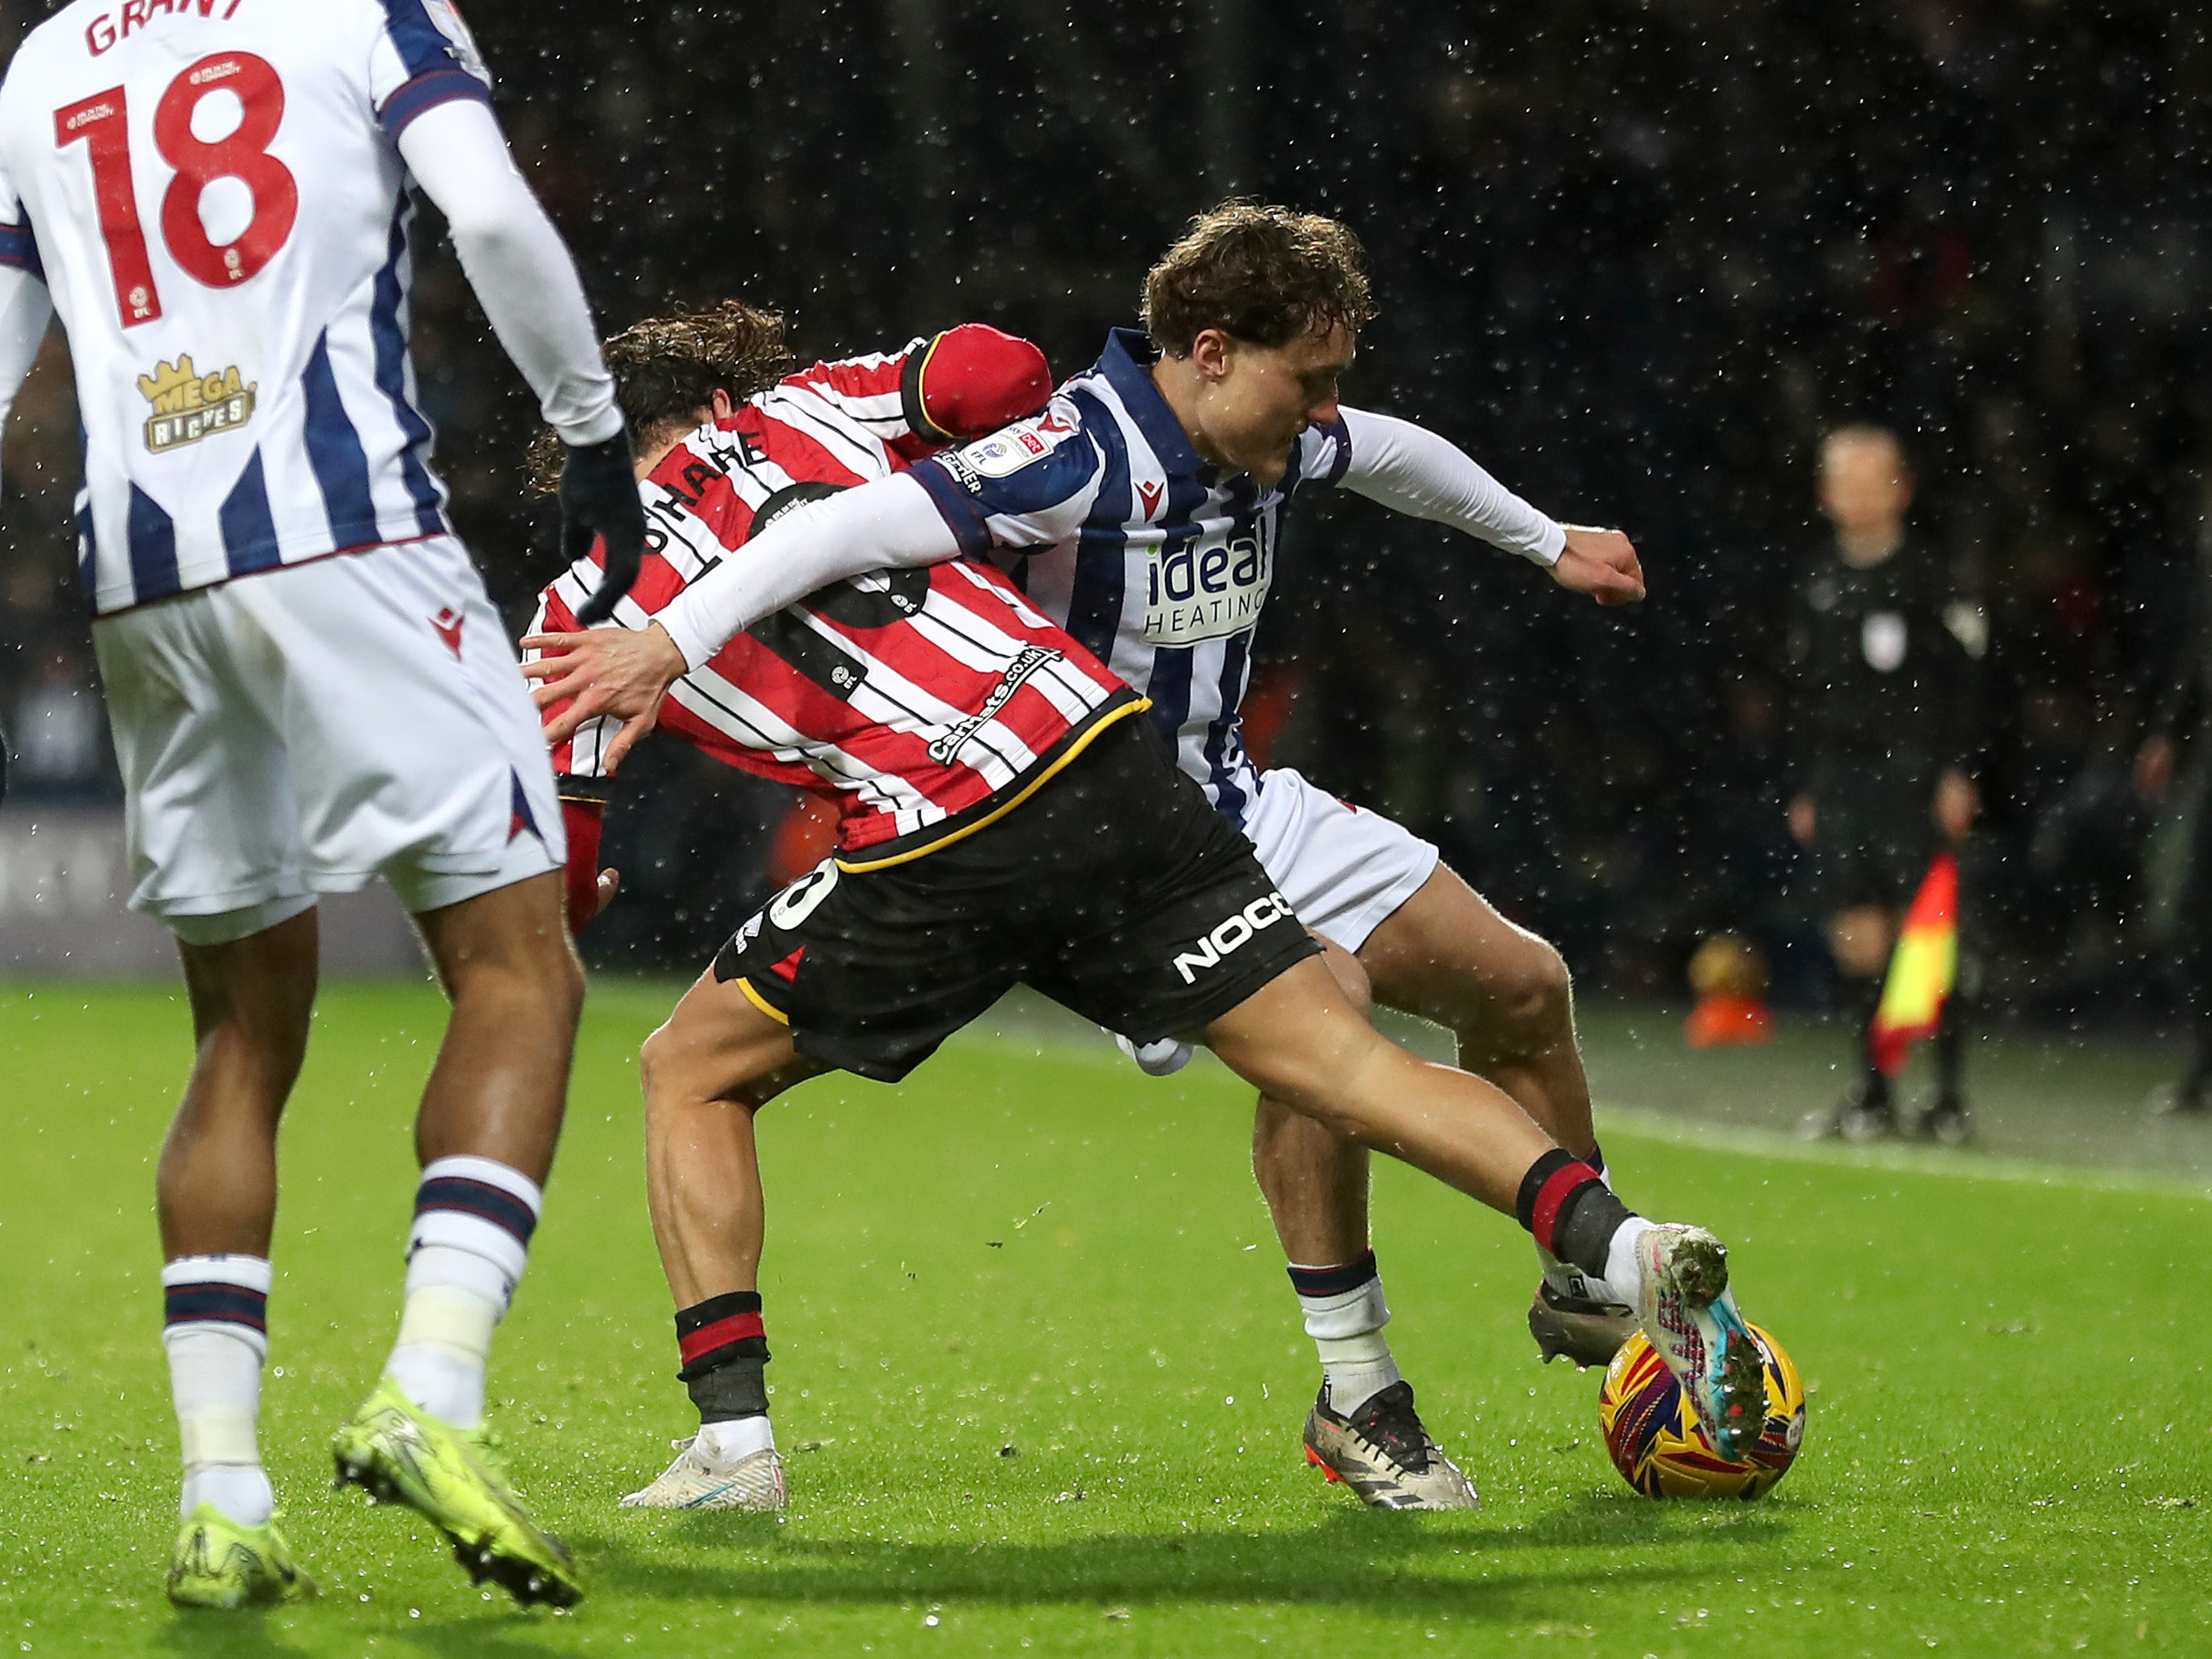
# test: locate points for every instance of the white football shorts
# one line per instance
(1343, 869)
(307, 729)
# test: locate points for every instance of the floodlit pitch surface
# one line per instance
(1040, 1383)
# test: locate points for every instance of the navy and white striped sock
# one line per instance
(473, 1219)
(215, 1329)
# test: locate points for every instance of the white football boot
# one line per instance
(698, 1480)
(1684, 1306)
(1384, 1455)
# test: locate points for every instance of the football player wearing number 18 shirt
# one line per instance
(214, 198)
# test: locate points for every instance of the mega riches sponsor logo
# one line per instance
(189, 405)
(1204, 589)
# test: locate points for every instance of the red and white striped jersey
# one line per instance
(924, 701)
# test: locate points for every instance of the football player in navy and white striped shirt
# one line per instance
(214, 198)
(1052, 843)
(1141, 511)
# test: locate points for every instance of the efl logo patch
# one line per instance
(1232, 935)
(1003, 454)
(189, 405)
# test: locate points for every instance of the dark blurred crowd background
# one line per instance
(1635, 254)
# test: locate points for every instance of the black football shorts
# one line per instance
(1116, 890)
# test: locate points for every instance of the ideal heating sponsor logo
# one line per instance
(1232, 935)
(1027, 661)
(1205, 589)
(189, 405)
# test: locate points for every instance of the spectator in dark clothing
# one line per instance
(1883, 664)
(2176, 741)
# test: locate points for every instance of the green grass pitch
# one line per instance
(1039, 1382)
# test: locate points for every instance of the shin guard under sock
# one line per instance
(473, 1219)
(724, 1345)
(216, 1331)
(1344, 1313)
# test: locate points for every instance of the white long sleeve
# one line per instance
(889, 523)
(517, 264)
(1410, 470)
(25, 309)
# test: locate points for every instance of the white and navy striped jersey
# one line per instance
(1161, 564)
(1152, 559)
(212, 193)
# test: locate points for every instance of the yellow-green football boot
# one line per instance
(219, 1563)
(400, 1454)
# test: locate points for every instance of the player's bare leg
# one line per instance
(1505, 994)
(491, 1117)
(501, 1082)
(716, 1061)
(1447, 956)
(1363, 1429)
(1299, 1040)
(251, 1001)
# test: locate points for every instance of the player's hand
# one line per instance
(609, 670)
(1803, 819)
(1601, 564)
(599, 497)
(2155, 768)
(609, 883)
(1957, 804)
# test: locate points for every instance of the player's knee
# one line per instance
(1535, 1000)
(1350, 976)
(659, 1069)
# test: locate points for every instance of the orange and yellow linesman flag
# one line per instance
(1923, 969)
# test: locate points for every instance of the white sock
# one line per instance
(473, 1219)
(216, 1334)
(1344, 1313)
(725, 1442)
(1624, 1272)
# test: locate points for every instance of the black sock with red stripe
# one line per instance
(725, 1356)
(1570, 1210)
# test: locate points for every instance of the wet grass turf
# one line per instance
(1039, 1382)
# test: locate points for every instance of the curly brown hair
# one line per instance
(666, 369)
(1257, 272)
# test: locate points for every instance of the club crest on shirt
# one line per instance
(189, 405)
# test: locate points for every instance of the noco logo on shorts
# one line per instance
(1231, 936)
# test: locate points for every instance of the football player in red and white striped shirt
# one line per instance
(915, 729)
(1005, 821)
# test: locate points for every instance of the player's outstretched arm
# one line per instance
(1410, 469)
(521, 271)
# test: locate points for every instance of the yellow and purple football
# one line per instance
(1655, 1442)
